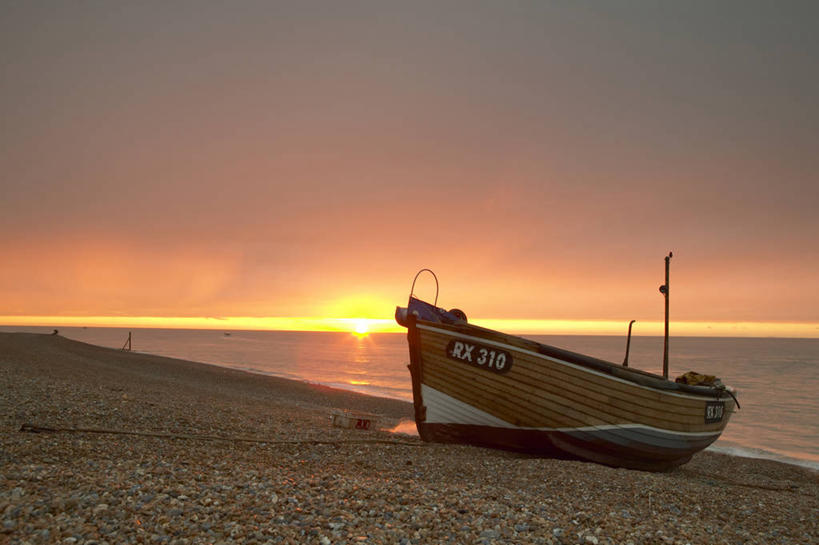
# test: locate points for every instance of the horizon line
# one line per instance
(700, 328)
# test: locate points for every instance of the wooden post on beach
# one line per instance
(127, 345)
(664, 289)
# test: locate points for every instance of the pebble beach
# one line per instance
(101, 446)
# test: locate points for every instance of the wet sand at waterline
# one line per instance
(171, 451)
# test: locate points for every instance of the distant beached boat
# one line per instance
(483, 387)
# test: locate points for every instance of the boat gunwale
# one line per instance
(589, 363)
(620, 413)
(569, 374)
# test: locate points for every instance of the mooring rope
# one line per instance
(31, 428)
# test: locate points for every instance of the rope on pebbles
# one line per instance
(32, 428)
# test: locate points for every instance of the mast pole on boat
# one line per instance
(664, 290)
(628, 343)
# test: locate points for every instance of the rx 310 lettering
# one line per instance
(479, 355)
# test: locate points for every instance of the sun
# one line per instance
(361, 328)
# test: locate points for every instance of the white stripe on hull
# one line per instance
(445, 409)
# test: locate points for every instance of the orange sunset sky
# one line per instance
(239, 165)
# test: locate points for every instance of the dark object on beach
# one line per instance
(355, 420)
(55, 332)
(483, 387)
(127, 346)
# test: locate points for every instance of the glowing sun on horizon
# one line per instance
(360, 328)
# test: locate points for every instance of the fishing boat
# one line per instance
(482, 387)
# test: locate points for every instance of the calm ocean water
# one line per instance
(777, 379)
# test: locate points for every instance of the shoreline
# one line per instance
(613, 329)
(759, 454)
(300, 480)
(731, 449)
(726, 450)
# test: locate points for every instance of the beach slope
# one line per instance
(146, 449)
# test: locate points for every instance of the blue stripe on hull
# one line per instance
(623, 447)
(645, 438)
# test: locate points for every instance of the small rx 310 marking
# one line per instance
(714, 411)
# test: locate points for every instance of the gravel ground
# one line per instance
(195, 453)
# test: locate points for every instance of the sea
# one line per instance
(777, 380)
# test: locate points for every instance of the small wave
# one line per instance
(747, 452)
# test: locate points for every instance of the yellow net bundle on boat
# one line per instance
(697, 379)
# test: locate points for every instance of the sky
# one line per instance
(208, 160)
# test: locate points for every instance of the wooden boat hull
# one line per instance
(478, 386)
